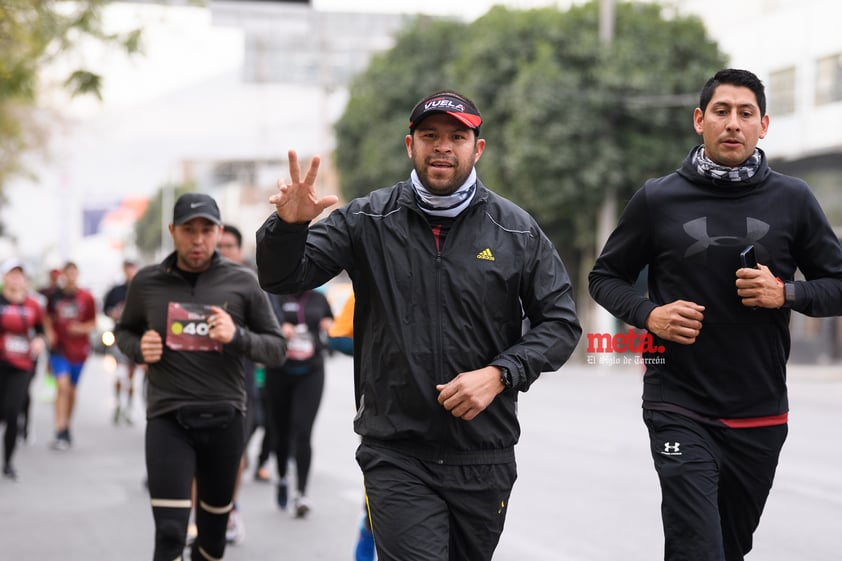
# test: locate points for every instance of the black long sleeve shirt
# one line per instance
(199, 376)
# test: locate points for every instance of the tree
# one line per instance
(370, 151)
(34, 33)
(149, 227)
(567, 118)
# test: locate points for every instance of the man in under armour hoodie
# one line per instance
(715, 397)
(444, 272)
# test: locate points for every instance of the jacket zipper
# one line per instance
(438, 375)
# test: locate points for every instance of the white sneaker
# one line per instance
(235, 533)
(301, 506)
(192, 533)
(60, 444)
(126, 417)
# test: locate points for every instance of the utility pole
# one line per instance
(167, 202)
(608, 212)
(603, 321)
(606, 21)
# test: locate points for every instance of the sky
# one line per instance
(468, 9)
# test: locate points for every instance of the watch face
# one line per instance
(789, 292)
(506, 377)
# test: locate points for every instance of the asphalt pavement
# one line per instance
(586, 489)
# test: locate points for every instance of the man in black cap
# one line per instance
(191, 319)
(444, 273)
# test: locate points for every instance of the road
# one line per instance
(586, 490)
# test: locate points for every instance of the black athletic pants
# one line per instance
(293, 401)
(714, 484)
(174, 456)
(13, 388)
(267, 444)
(424, 511)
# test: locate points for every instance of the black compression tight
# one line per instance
(13, 388)
(174, 456)
(293, 402)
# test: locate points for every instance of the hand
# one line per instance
(36, 346)
(296, 201)
(287, 330)
(679, 322)
(220, 325)
(469, 393)
(78, 328)
(759, 288)
(151, 347)
(51, 335)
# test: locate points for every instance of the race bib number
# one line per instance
(188, 329)
(301, 345)
(15, 345)
(67, 310)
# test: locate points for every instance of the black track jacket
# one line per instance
(690, 230)
(423, 316)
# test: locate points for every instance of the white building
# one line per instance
(795, 47)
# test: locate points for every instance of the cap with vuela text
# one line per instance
(449, 103)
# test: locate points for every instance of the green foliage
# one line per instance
(568, 120)
(370, 134)
(149, 227)
(33, 33)
(82, 82)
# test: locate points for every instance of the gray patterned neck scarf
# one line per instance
(445, 205)
(708, 168)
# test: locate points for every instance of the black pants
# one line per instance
(714, 484)
(423, 511)
(267, 444)
(293, 401)
(174, 456)
(26, 409)
(14, 384)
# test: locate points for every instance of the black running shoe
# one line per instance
(9, 472)
(283, 494)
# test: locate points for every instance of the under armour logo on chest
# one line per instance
(698, 230)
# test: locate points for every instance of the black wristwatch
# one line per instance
(789, 294)
(505, 377)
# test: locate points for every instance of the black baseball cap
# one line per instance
(450, 103)
(195, 205)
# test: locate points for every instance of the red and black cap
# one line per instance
(450, 103)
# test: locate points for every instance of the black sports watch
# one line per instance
(505, 377)
(789, 294)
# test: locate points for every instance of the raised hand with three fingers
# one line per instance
(296, 201)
